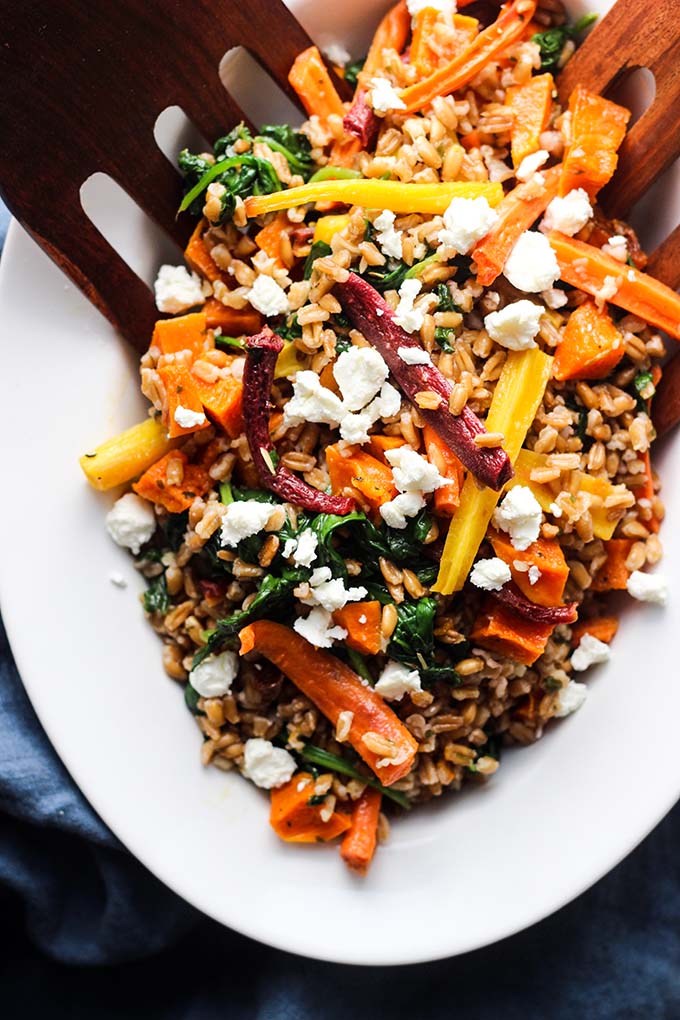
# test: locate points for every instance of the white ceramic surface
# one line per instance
(461, 874)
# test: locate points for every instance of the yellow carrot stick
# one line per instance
(127, 455)
(515, 401)
(375, 194)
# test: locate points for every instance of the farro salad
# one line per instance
(398, 448)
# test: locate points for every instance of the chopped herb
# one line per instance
(551, 43)
(343, 344)
(174, 527)
(156, 598)
(318, 250)
(331, 762)
(644, 385)
(317, 798)
(226, 494)
(443, 337)
(551, 684)
(290, 329)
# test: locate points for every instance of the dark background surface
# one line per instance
(86, 932)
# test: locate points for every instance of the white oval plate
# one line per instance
(458, 875)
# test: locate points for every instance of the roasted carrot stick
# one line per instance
(358, 846)
(598, 127)
(391, 34)
(313, 84)
(447, 498)
(530, 104)
(376, 734)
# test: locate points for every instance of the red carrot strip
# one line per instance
(511, 596)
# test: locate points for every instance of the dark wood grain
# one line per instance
(81, 87)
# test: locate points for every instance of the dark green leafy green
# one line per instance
(173, 528)
(228, 343)
(191, 697)
(445, 302)
(352, 70)
(551, 42)
(358, 664)
(392, 274)
(289, 329)
(412, 641)
(318, 250)
(156, 598)
(331, 762)
(193, 168)
(342, 344)
(324, 526)
(290, 143)
(402, 545)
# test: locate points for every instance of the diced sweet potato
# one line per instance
(176, 497)
(185, 332)
(500, 630)
(547, 556)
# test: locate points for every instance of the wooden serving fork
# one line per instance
(81, 89)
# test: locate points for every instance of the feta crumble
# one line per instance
(466, 221)
(414, 356)
(306, 545)
(516, 325)
(570, 698)
(568, 214)
(532, 264)
(530, 164)
(405, 315)
(554, 297)
(131, 522)
(312, 402)
(267, 766)
(413, 473)
(318, 628)
(520, 516)
(397, 510)
(117, 580)
(534, 574)
(213, 677)
(490, 574)
(648, 587)
(389, 239)
(589, 652)
(267, 296)
(330, 592)
(383, 97)
(177, 290)
(396, 680)
(360, 373)
(243, 518)
(616, 247)
(188, 419)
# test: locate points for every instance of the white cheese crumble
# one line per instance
(312, 402)
(176, 290)
(243, 518)
(213, 677)
(414, 356)
(570, 699)
(534, 574)
(188, 419)
(405, 315)
(516, 325)
(395, 511)
(589, 652)
(306, 544)
(267, 766)
(648, 587)
(466, 221)
(490, 574)
(396, 680)
(413, 473)
(360, 373)
(569, 214)
(318, 628)
(289, 547)
(117, 580)
(383, 97)
(554, 297)
(389, 239)
(337, 54)
(131, 522)
(532, 264)
(329, 592)
(520, 516)
(531, 163)
(267, 296)
(617, 247)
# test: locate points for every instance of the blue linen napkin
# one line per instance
(83, 900)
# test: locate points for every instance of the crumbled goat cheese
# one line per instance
(312, 402)
(389, 239)
(589, 652)
(570, 699)
(532, 264)
(117, 580)
(383, 97)
(405, 315)
(360, 373)
(188, 419)
(330, 592)
(607, 291)
(520, 515)
(319, 575)
(534, 574)
(243, 518)
(648, 587)
(395, 511)
(445, 6)
(530, 164)
(318, 628)
(396, 680)
(306, 544)
(267, 296)
(177, 290)
(413, 473)
(267, 766)
(213, 677)
(516, 325)
(363, 618)
(466, 221)
(354, 428)
(414, 356)
(490, 574)
(386, 404)
(569, 214)
(554, 297)
(337, 54)
(617, 247)
(131, 522)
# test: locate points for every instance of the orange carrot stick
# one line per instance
(358, 846)
(391, 34)
(530, 104)
(313, 84)
(591, 270)
(295, 820)
(520, 208)
(269, 238)
(506, 30)
(613, 574)
(448, 41)
(199, 258)
(447, 498)
(591, 345)
(335, 688)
